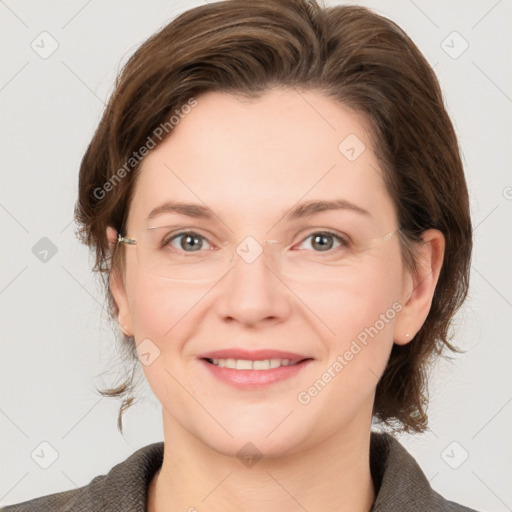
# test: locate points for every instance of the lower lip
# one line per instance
(251, 379)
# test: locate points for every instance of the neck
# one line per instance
(331, 476)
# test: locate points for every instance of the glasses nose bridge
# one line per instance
(250, 249)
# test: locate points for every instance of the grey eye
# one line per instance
(323, 241)
(189, 240)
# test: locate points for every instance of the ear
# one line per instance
(418, 287)
(118, 290)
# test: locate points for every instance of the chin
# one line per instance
(256, 444)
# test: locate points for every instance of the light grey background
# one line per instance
(55, 337)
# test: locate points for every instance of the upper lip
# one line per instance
(252, 355)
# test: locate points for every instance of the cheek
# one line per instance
(358, 298)
(161, 314)
(361, 312)
(159, 307)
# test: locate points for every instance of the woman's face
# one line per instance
(251, 163)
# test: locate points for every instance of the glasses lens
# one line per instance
(183, 255)
(188, 255)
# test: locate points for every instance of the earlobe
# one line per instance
(111, 237)
(419, 287)
(118, 290)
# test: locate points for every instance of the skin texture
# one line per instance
(250, 162)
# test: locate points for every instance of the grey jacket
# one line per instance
(400, 484)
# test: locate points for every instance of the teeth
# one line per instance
(245, 364)
(241, 364)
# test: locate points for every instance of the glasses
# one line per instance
(190, 255)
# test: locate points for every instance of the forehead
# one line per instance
(249, 159)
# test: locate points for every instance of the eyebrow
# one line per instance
(301, 211)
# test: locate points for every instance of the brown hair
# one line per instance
(349, 53)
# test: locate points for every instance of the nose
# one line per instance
(252, 290)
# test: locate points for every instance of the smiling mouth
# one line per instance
(247, 364)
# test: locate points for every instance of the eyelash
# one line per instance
(344, 241)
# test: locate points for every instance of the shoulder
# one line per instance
(400, 483)
(123, 488)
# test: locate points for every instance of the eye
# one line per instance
(189, 240)
(192, 242)
(323, 240)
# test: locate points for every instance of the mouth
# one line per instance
(249, 364)
(254, 372)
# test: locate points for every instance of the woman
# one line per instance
(276, 200)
